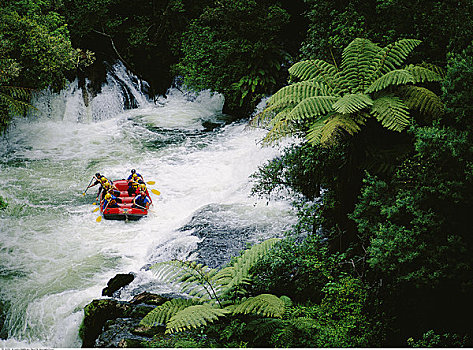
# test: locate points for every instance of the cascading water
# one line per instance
(55, 258)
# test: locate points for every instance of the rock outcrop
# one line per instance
(114, 323)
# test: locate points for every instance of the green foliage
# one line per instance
(3, 204)
(234, 48)
(335, 102)
(432, 340)
(215, 292)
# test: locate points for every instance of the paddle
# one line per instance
(88, 185)
(96, 209)
(156, 192)
(151, 182)
(99, 219)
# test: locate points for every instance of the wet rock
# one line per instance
(117, 282)
(107, 322)
(149, 299)
(118, 331)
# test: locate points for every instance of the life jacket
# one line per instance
(141, 200)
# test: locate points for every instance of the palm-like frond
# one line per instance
(162, 314)
(392, 56)
(335, 125)
(195, 278)
(391, 112)
(15, 97)
(422, 99)
(237, 275)
(267, 305)
(423, 74)
(369, 82)
(317, 70)
(312, 107)
(393, 78)
(297, 92)
(357, 60)
(194, 317)
(351, 103)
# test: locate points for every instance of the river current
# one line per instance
(55, 258)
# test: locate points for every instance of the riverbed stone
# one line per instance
(108, 321)
(119, 281)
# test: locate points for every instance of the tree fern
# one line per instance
(211, 289)
(327, 103)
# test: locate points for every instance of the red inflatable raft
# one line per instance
(125, 210)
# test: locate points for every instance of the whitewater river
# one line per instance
(55, 258)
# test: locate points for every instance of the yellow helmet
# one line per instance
(143, 187)
(108, 196)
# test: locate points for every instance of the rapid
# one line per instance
(55, 258)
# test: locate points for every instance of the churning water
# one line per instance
(55, 258)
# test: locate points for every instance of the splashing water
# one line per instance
(55, 258)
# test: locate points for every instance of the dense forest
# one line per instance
(379, 92)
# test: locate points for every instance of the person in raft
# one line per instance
(110, 201)
(133, 185)
(110, 187)
(99, 179)
(133, 172)
(141, 201)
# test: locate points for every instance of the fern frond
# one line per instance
(336, 123)
(316, 69)
(392, 56)
(238, 274)
(305, 324)
(312, 107)
(314, 133)
(391, 112)
(422, 74)
(280, 128)
(163, 313)
(297, 92)
(394, 77)
(194, 317)
(351, 103)
(357, 64)
(267, 305)
(196, 278)
(422, 100)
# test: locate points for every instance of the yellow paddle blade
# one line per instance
(156, 192)
(94, 203)
(98, 219)
(83, 194)
(151, 182)
(96, 209)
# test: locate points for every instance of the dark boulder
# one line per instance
(113, 323)
(117, 282)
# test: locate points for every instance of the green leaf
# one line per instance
(194, 317)
(391, 112)
(351, 103)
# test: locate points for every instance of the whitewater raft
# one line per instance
(124, 210)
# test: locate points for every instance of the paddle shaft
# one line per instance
(93, 177)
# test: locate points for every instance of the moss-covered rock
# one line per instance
(108, 321)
